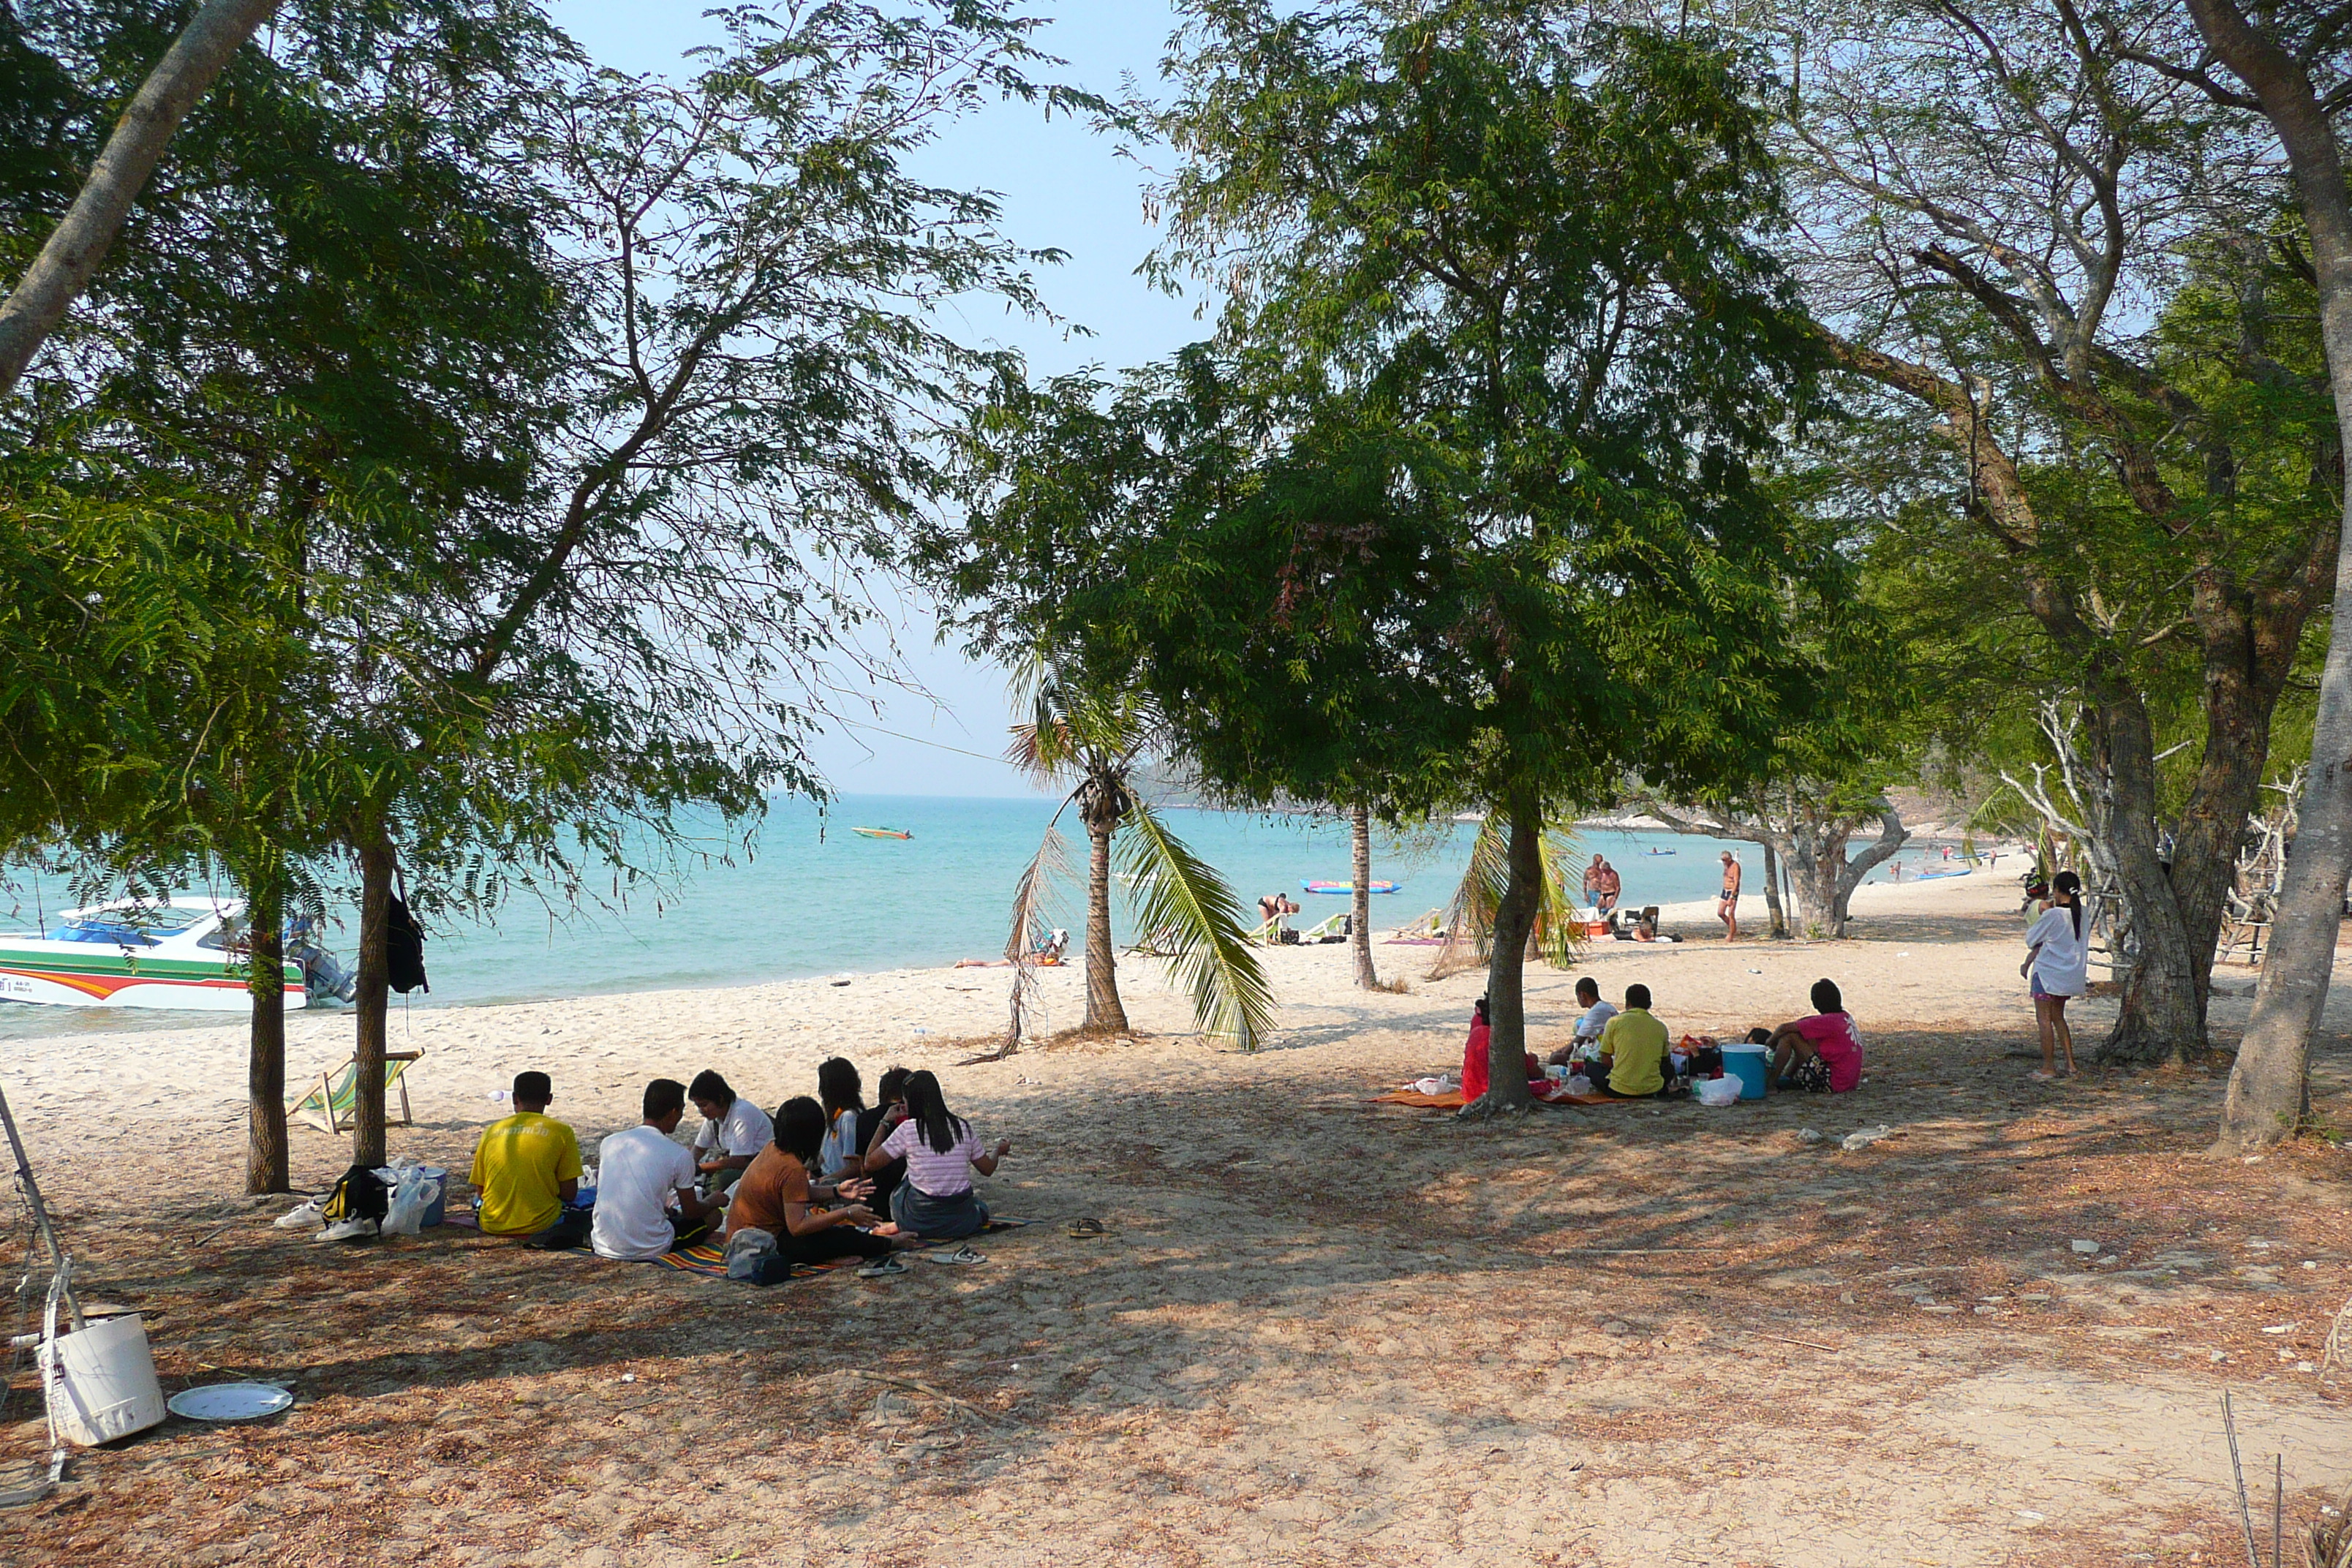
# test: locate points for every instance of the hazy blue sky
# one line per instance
(1061, 186)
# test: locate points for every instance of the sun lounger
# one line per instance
(331, 1104)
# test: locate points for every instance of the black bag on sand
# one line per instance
(361, 1194)
(404, 949)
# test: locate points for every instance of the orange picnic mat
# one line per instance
(1452, 1099)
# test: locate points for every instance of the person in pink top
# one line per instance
(1820, 1052)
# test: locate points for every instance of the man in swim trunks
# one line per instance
(1608, 887)
(1727, 903)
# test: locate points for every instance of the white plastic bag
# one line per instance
(415, 1193)
(1719, 1091)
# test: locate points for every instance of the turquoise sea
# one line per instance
(815, 899)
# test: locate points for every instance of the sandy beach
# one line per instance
(1325, 1330)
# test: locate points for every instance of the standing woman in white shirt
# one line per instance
(2058, 965)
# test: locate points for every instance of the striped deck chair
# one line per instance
(331, 1104)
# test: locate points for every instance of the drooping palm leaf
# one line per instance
(1175, 892)
(1030, 895)
(1470, 916)
(1470, 913)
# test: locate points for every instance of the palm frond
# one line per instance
(1031, 897)
(1470, 913)
(1558, 933)
(1175, 892)
(1470, 916)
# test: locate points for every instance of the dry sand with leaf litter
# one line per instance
(1326, 1332)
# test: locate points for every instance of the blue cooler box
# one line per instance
(1752, 1066)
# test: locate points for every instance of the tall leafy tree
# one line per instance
(2294, 67)
(1460, 506)
(1510, 260)
(1996, 192)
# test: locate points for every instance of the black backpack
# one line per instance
(361, 1194)
(404, 949)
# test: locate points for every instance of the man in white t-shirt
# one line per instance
(1588, 1022)
(642, 1175)
(733, 1129)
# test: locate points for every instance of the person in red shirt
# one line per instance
(1475, 1051)
(1821, 1051)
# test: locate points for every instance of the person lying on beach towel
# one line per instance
(936, 1201)
(1822, 1052)
(777, 1195)
(645, 1201)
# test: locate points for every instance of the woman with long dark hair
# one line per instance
(843, 1095)
(936, 1201)
(877, 1122)
(2057, 966)
(778, 1194)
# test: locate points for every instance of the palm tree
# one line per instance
(1470, 918)
(1360, 836)
(1095, 743)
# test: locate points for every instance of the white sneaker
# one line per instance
(302, 1217)
(347, 1230)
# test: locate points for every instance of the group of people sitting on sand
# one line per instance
(1625, 1055)
(825, 1177)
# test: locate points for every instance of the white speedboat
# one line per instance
(187, 955)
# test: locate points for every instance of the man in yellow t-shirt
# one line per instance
(1635, 1044)
(527, 1167)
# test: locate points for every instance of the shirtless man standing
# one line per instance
(1727, 904)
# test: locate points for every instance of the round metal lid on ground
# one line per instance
(230, 1402)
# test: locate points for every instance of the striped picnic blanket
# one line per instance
(710, 1262)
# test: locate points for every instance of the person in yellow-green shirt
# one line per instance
(527, 1167)
(1635, 1045)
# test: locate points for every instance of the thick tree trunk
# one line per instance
(1514, 921)
(1105, 1014)
(1772, 894)
(1892, 837)
(2269, 1092)
(373, 1001)
(265, 1164)
(1815, 873)
(2160, 1014)
(1360, 905)
(70, 258)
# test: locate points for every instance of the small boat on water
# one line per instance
(1932, 876)
(880, 833)
(180, 955)
(1347, 889)
(1657, 852)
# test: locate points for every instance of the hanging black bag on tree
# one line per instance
(404, 949)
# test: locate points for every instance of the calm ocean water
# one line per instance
(816, 899)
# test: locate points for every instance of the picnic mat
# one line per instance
(710, 1262)
(1452, 1099)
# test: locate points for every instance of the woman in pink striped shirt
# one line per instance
(935, 1199)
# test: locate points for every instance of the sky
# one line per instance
(1060, 187)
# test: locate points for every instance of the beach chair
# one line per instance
(331, 1104)
(1321, 928)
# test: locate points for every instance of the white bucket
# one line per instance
(105, 1382)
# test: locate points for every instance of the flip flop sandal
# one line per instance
(881, 1269)
(1088, 1229)
(960, 1255)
